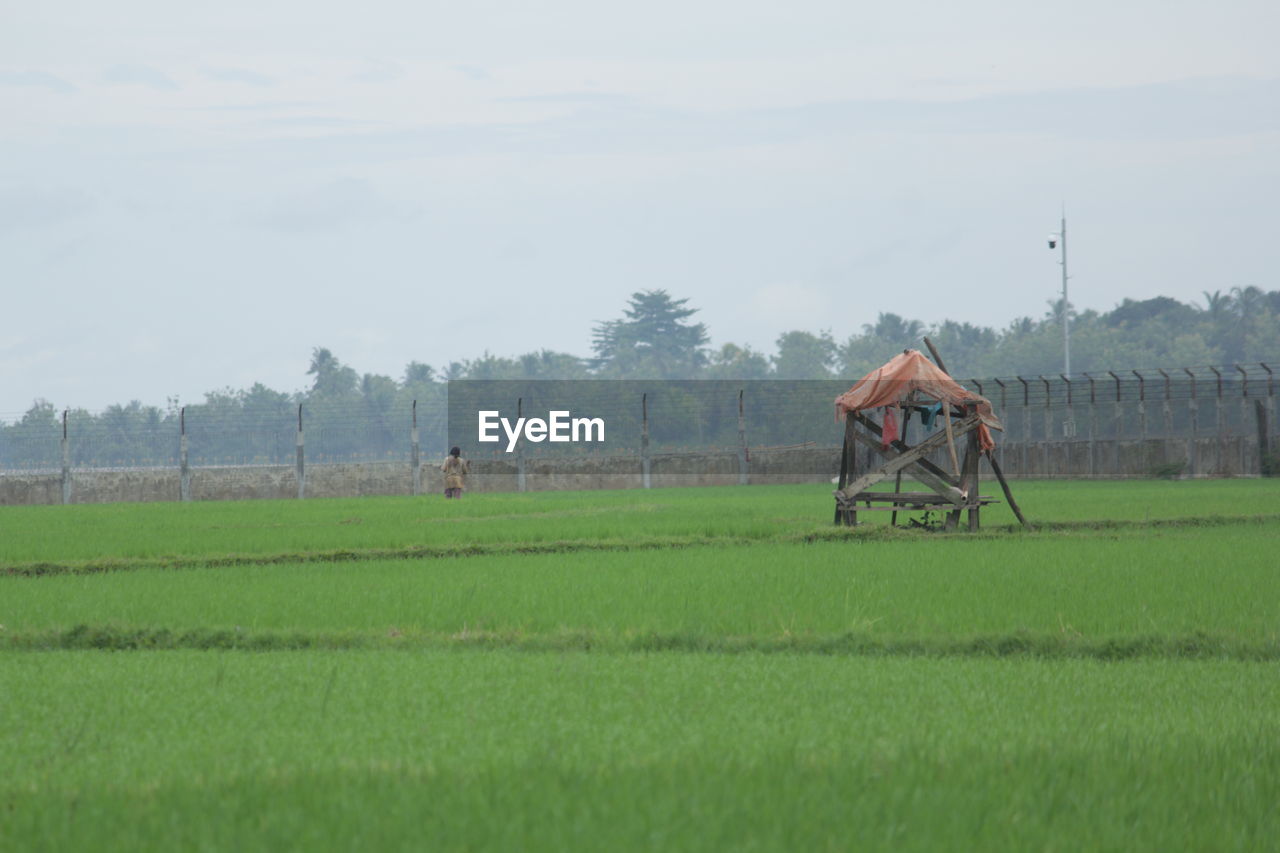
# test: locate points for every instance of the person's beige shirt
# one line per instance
(455, 470)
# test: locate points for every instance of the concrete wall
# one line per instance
(1076, 459)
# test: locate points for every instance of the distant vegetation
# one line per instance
(656, 337)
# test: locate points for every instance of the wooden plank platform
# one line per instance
(906, 497)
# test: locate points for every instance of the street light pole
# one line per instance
(1061, 237)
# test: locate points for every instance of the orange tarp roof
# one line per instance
(895, 382)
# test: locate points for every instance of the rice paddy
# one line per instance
(672, 669)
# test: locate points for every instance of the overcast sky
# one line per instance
(193, 196)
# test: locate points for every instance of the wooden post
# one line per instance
(897, 482)
(951, 441)
(848, 466)
(184, 469)
(970, 480)
(845, 450)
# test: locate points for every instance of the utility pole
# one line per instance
(1054, 239)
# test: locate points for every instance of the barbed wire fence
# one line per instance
(1079, 420)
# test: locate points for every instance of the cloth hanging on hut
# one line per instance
(889, 432)
(929, 415)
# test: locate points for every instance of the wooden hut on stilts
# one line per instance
(910, 386)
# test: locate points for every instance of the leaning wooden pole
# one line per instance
(1004, 484)
(937, 359)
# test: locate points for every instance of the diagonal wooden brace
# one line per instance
(901, 460)
(923, 470)
(874, 428)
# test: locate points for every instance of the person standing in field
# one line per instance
(455, 470)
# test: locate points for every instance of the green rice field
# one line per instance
(682, 669)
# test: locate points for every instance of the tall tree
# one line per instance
(332, 377)
(654, 338)
(803, 355)
(734, 362)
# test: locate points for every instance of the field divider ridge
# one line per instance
(1016, 644)
(863, 533)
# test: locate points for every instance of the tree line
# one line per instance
(657, 336)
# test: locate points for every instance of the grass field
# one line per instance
(673, 669)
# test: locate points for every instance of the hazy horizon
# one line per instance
(195, 198)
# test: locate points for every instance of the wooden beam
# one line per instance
(874, 429)
(921, 472)
(901, 460)
(897, 482)
(845, 450)
(904, 497)
(951, 443)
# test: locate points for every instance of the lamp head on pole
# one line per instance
(1053, 241)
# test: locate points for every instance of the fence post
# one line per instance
(1193, 414)
(415, 454)
(1026, 425)
(66, 461)
(1220, 423)
(184, 468)
(1244, 416)
(1167, 416)
(1004, 410)
(1048, 427)
(521, 481)
(1264, 443)
(1093, 427)
(1117, 425)
(1142, 405)
(1069, 425)
(1271, 395)
(1166, 407)
(644, 441)
(301, 469)
(744, 457)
